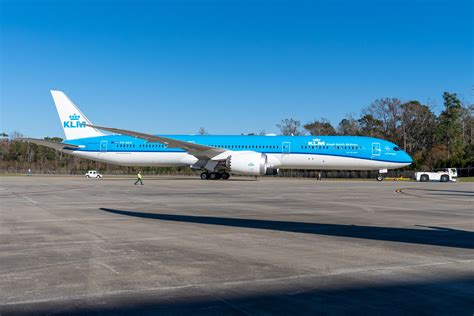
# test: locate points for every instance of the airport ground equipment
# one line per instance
(447, 175)
(93, 174)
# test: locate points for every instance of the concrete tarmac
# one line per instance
(69, 245)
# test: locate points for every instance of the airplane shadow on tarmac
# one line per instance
(448, 296)
(435, 236)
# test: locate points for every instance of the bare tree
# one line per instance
(467, 121)
(202, 131)
(290, 127)
(15, 134)
(348, 126)
(388, 112)
(261, 133)
(320, 127)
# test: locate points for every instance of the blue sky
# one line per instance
(230, 66)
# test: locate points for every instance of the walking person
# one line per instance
(139, 178)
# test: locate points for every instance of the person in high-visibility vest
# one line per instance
(139, 178)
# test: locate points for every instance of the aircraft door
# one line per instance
(285, 148)
(376, 149)
(103, 146)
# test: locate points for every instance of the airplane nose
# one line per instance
(407, 158)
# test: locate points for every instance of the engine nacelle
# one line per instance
(248, 163)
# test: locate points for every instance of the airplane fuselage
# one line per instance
(286, 152)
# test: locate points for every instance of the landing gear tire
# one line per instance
(214, 175)
(225, 176)
(379, 177)
(205, 176)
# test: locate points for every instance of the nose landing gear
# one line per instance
(380, 176)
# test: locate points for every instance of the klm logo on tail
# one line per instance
(74, 122)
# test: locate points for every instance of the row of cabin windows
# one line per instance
(242, 146)
(217, 146)
(246, 146)
(153, 145)
(334, 147)
(142, 145)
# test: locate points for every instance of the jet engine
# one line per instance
(250, 163)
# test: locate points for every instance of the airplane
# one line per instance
(219, 156)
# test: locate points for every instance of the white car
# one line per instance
(93, 174)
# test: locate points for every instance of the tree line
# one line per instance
(434, 141)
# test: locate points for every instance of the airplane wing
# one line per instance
(50, 144)
(201, 152)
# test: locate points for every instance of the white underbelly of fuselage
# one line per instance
(283, 161)
(328, 162)
(142, 159)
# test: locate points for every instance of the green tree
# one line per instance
(370, 126)
(417, 125)
(449, 129)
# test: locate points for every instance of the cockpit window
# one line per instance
(396, 148)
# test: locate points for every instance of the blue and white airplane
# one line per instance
(220, 156)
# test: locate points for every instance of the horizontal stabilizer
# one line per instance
(49, 143)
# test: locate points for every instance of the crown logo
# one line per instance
(74, 117)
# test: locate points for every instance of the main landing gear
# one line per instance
(215, 175)
(379, 177)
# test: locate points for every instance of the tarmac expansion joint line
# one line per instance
(403, 191)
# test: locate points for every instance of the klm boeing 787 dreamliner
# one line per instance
(220, 156)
